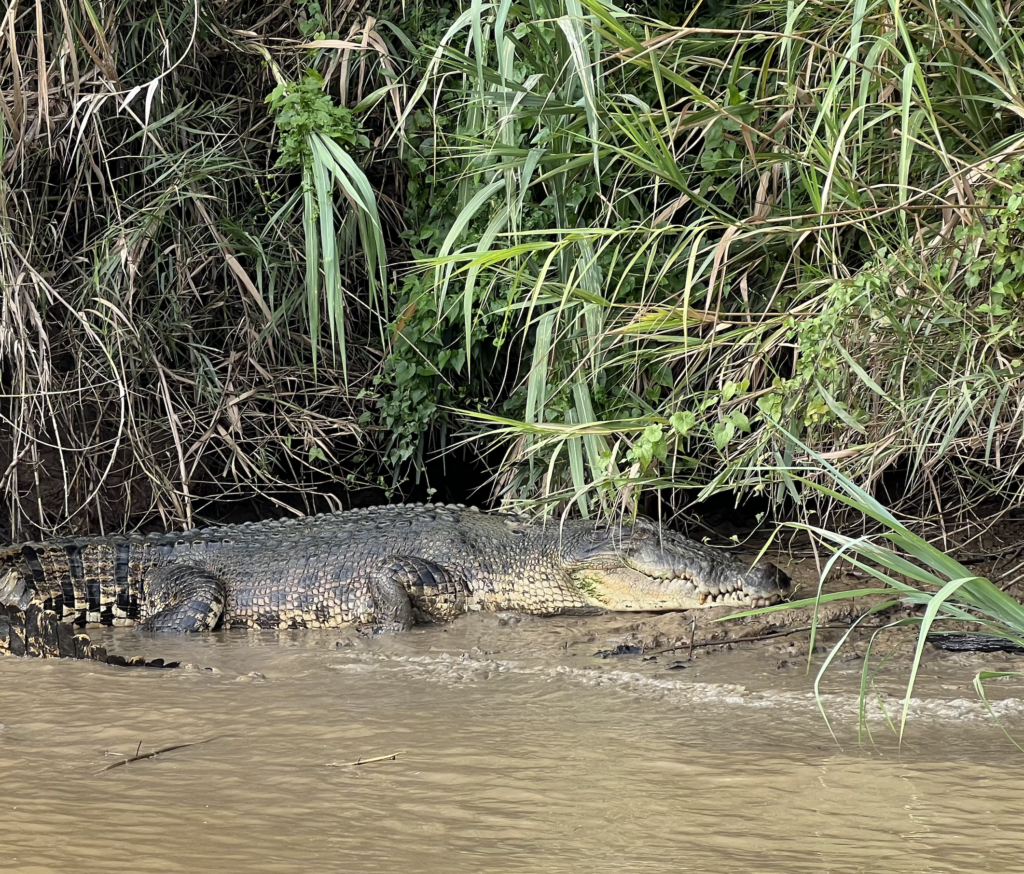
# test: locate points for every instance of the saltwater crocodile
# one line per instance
(382, 568)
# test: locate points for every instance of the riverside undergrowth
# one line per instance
(623, 251)
(171, 243)
(679, 237)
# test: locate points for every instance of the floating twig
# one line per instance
(362, 761)
(138, 758)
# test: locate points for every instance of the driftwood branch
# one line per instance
(138, 758)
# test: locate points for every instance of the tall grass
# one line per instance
(164, 275)
(911, 572)
(801, 216)
(633, 253)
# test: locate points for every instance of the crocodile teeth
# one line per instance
(738, 598)
(724, 594)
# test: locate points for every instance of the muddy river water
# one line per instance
(518, 750)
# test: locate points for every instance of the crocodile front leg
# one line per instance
(183, 597)
(407, 589)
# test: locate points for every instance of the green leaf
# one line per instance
(683, 422)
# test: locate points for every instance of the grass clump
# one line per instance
(261, 251)
(912, 573)
(163, 274)
(693, 233)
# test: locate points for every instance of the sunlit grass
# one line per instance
(747, 227)
(651, 249)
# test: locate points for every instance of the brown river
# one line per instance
(517, 750)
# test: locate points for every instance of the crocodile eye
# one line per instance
(644, 528)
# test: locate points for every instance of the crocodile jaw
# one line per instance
(626, 589)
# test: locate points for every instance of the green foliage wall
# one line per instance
(622, 251)
(669, 249)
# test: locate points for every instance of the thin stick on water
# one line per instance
(362, 761)
(155, 753)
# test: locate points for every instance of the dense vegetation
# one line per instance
(635, 252)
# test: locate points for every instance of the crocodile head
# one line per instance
(642, 568)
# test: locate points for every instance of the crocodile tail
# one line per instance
(36, 631)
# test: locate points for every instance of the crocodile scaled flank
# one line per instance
(382, 568)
